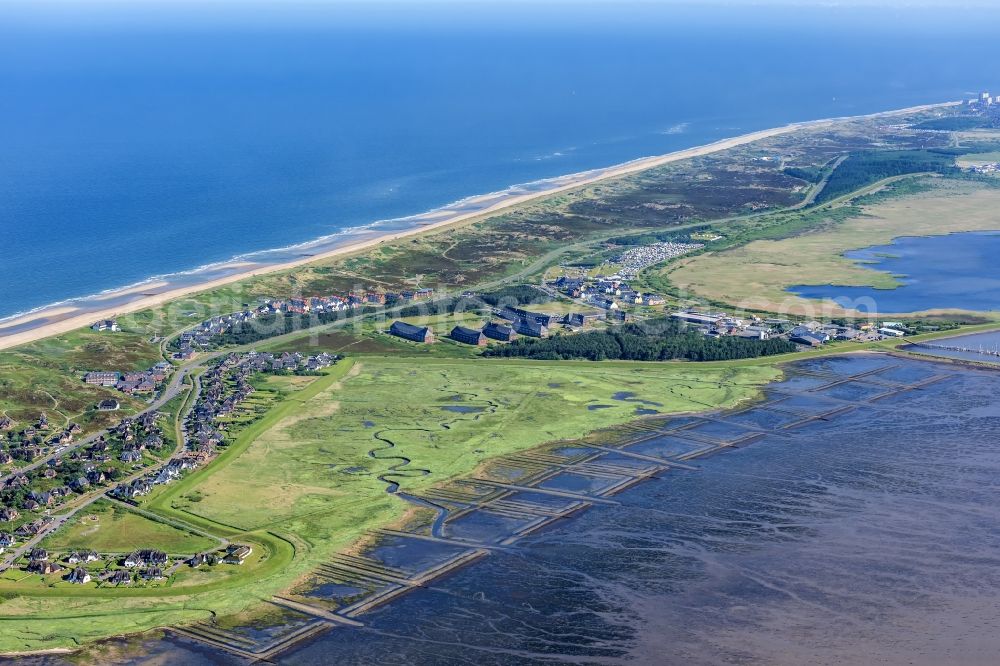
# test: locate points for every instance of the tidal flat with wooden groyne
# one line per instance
(588, 549)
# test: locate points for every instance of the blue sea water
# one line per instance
(951, 271)
(142, 142)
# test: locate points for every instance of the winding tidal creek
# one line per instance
(850, 516)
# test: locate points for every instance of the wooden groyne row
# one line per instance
(422, 579)
(968, 350)
(246, 649)
(536, 507)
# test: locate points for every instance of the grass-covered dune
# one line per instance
(45, 376)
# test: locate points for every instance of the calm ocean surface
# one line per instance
(158, 143)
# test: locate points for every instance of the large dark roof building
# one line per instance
(499, 332)
(514, 314)
(531, 328)
(469, 336)
(410, 332)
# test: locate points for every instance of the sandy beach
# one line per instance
(62, 318)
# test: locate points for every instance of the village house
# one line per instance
(45, 498)
(318, 362)
(152, 556)
(105, 325)
(33, 528)
(236, 554)
(97, 448)
(84, 556)
(410, 332)
(120, 577)
(43, 567)
(468, 336)
(607, 303)
(27, 530)
(130, 456)
(631, 297)
(211, 559)
(152, 573)
(79, 575)
(133, 560)
(297, 306)
(136, 488)
(167, 474)
(183, 354)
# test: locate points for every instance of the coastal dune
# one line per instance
(59, 319)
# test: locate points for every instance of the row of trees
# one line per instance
(659, 237)
(515, 295)
(269, 326)
(810, 174)
(659, 340)
(441, 306)
(865, 168)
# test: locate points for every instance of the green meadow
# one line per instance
(313, 474)
(111, 528)
(300, 483)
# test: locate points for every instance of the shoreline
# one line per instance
(63, 317)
